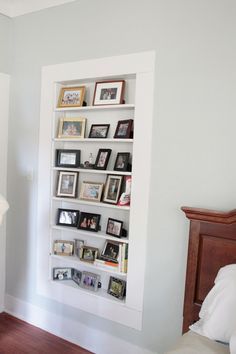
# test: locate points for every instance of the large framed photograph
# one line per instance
(71, 128)
(89, 254)
(112, 189)
(67, 217)
(102, 159)
(67, 158)
(62, 273)
(114, 227)
(91, 191)
(67, 184)
(90, 281)
(99, 131)
(89, 221)
(76, 276)
(124, 129)
(117, 288)
(71, 97)
(110, 252)
(122, 161)
(63, 248)
(109, 92)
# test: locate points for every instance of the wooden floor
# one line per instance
(19, 337)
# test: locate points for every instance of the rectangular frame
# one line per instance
(71, 128)
(111, 251)
(99, 131)
(71, 97)
(63, 247)
(124, 129)
(62, 273)
(89, 222)
(114, 227)
(67, 187)
(122, 161)
(112, 189)
(109, 92)
(89, 254)
(102, 159)
(76, 276)
(90, 281)
(67, 158)
(67, 217)
(91, 191)
(117, 288)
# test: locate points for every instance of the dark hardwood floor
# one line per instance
(19, 337)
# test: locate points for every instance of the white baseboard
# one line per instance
(89, 338)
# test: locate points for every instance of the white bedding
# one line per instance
(192, 343)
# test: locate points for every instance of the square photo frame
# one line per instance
(89, 222)
(71, 97)
(114, 227)
(111, 252)
(67, 158)
(99, 131)
(124, 129)
(112, 189)
(71, 128)
(89, 254)
(91, 191)
(67, 217)
(122, 161)
(67, 184)
(109, 92)
(117, 288)
(102, 159)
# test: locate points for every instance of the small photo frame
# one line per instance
(89, 254)
(102, 159)
(90, 281)
(67, 184)
(122, 161)
(71, 97)
(114, 227)
(78, 245)
(68, 217)
(91, 191)
(117, 288)
(99, 131)
(62, 273)
(124, 129)
(76, 276)
(71, 128)
(63, 248)
(109, 92)
(89, 221)
(110, 252)
(67, 158)
(112, 189)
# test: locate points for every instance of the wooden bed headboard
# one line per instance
(212, 245)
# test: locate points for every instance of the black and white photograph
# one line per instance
(67, 184)
(102, 159)
(122, 161)
(117, 287)
(124, 129)
(114, 227)
(71, 97)
(68, 217)
(112, 189)
(78, 245)
(62, 273)
(63, 247)
(89, 221)
(109, 92)
(67, 158)
(90, 281)
(89, 254)
(99, 131)
(110, 252)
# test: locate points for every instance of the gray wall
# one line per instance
(193, 135)
(5, 44)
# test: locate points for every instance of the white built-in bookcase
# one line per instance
(138, 72)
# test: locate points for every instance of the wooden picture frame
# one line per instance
(63, 248)
(91, 191)
(67, 184)
(112, 189)
(71, 97)
(99, 131)
(109, 92)
(67, 217)
(71, 128)
(67, 158)
(122, 161)
(102, 159)
(124, 129)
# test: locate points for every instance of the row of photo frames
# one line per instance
(90, 281)
(74, 128)
(95, 191)
(71, 159)
(89, 222)
(105, 93)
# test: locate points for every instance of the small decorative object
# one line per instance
(91, 191)
(102, 159)
(89, 254)
(99, 131)
(68, 217)
(76, 276)
(71, 128)
(78, 247)
(109, 92)
(90, 281)
(110, 252)
(71, 97)
(124, 129)
(63, 247)
(67, 158)
(114, 227)
(112, 189)
(67, 184)
(62, 273)
(117, 288)
(122, 161)
(89, 221)
(125, 196)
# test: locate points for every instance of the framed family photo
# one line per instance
(89, 254)
(109, 92)
(114, 227)
(124, 129)
(91, 191)
(122, 161)
(89, 221)
(112, 189)
(71, 97)
(67, 158)
(102, 159)
(117, 288)
(90, 281)
(67, 217)
(110, 252)
(71, 128)
(67, 184)
(63, 247)
(99, 131)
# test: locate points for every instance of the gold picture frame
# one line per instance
(91, 191)
(71, 97)
(71, 128)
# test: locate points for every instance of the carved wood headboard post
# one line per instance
(212, 245)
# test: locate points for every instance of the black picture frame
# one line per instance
(99, 131)
(114, 227)
(89, 222)
(117, 288)
(124, 129)
(102, 159)
(67, 217)
(67, 158)
(62, 273)
(111, 251)
(76, 276)
(122, 161)
(112, 189)
(89, 254)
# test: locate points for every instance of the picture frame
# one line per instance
(89, 222)
(102, 159)
(78, 244)
(110, 252)
(117, 288)
(71, 128)
(109, 92)
(91, 191)
(63, 248)
(114, 227)
(99, 131)
(112, 189)
(122, 161)
(90, 281)
(67, 158)
(71, 97)
(89, 254)
(76, 276)
(124, 129)
(60, 273)
(67, 184)
(67, 217)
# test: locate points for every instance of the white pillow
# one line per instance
(218, 312)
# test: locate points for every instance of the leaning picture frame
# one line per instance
(89, 254)
(63, 247)
(111, 251)
(67, 217)
(122, 161)
(102, 159)
(67, 158)
(62, 273)
(90, 281)
(109, 92)
(71, 97)
(124, 129)
(117, 288)
(89, 222)
(91, 191)
(71, 128)
(67, 184)
(112, 189)
(114, 227)
(99, 131)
